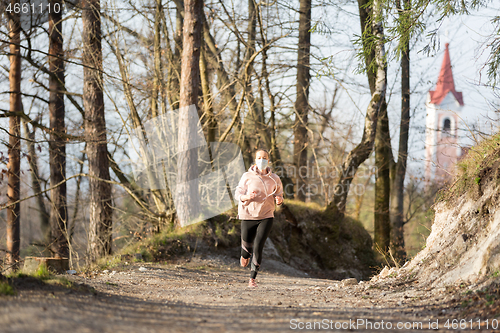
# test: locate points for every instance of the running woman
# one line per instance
(256, 194)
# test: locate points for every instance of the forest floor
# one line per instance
(210, 294)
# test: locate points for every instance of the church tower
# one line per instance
(443, 106)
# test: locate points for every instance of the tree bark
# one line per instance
(362, 151)
(302, 102)
(252, 123)
(365, 15)
(72, 223)
(57, 146)
(100, 210)
(383, 158)
(397, 225)
(174, 66)
(383, 150)
(14, 151)
(187, 202)
(207, 100)
(158, 77)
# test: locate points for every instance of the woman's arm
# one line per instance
(248, 197)
(241, 190)
(279, 191)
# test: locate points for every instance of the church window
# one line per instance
(447, 126)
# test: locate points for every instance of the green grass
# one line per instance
(42, 272)
(109, 262)
(172, 241)
(17, 274)
(300, 208)
(61, 281)
(465, 303)
(469, 177)
(6, 289)
(225, 230)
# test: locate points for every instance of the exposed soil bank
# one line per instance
(464, 244)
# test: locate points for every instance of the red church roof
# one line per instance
(445, 82)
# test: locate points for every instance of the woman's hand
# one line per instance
(279, 200)
(248, 197)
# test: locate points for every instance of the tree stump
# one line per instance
(57, 265)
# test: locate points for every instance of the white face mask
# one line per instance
(261, 164)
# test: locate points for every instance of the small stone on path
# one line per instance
(349, 282)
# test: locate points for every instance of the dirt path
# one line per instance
(210, 295)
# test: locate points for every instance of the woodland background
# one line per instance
(324, 85)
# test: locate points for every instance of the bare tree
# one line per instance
(174, 66)
(383, 151)
(14, 164)
(398, 220)
(158, 72)
(187, 163)
(99, 239)
(383, 163)
(57, 146)
(302, 102)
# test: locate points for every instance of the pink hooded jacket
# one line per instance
(266, 186)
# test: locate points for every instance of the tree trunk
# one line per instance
(207, 100)
(252, 122)
(383, 151)
(57, 146)
(37, 186)
(174, 69)
(365, 15)
(302, 102)
(158, 77)
(251, 32)
(397, 233)
(72, 223)
(187, 201)
(100, 211)
(362, 151)
(14, 151)
(383, 157)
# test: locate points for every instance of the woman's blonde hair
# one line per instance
(264, 150)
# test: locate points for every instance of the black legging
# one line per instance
(253, 237)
